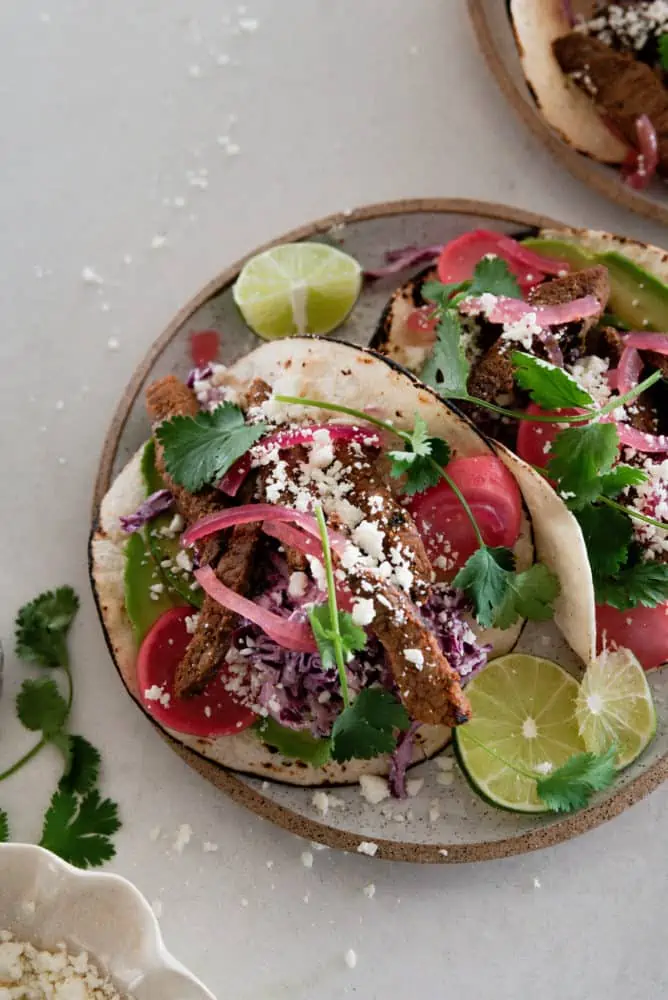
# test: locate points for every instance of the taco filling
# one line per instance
(310, 585)
(553, 346)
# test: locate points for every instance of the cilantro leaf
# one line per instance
(83, 771)
(613, 483)
(440, 293)
(79, 829)
(493, 275)
(63, 742)
(4, 827)
(41, 707)
(447, 369)
(580, 456)
(297, 744)
(42, 627)
(548, 386)
(663, 51)
(353, 637)
(484, 578)
(366, 728)
(607, 534)
(643, 583)
(200, 450)
(417, 461)
(572, 785)
(530, 594)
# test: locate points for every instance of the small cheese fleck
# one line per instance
(367, 847)
(369, 890)
(415, 656)
(182, 839)
(373, 788)
(307, 859)
(363, 611)
(351, 958)
(414, 786)
(297, 584)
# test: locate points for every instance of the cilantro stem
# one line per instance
(22, 760)
(336, 408)
(333, 609)
(532, 776)
(632, 513)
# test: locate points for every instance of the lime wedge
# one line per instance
(297, 288)
(524, 711)
(614, 705)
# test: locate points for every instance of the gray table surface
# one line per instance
(109, 110)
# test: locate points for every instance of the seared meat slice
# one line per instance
(428, 686)
(258, 393)
(576, 285)
(372, 494)
(169, 397)
(622, 87)
(215, 626)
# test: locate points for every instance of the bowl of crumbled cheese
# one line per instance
(67, 934)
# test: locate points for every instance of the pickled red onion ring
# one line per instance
(641, 441)
(657, 342)
(258, 512)
(640, 165)
(505, 310)
(296, 636)
(628, 371)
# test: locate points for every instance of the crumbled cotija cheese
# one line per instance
(27, 973)
(589, 373)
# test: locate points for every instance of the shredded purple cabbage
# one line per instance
(198, 375)
(402, 259)
(444, 613)
(401, 758)
(297, 691)
(157, 503)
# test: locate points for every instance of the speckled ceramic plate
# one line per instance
(494, 30)
(446, 821)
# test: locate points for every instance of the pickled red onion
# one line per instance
(543, 265)
(505, 310)
(297, 636)
(642, 441)
(421, 326)
(293, 537)
(234, 478)
(640, 165)
(258, 512)
(657, 342)
(628, 371)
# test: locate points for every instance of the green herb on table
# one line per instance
(79, 824)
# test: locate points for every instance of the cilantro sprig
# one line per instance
(489, 578)
(569, 787)
(200, 450)
(78, 824)
(366, 727)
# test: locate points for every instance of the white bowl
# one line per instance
(45, 901)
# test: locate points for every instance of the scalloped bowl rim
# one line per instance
(104, 885)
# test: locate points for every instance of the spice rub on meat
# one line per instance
(166, 398)
(215, 625)
(428, 686)
(622, 87)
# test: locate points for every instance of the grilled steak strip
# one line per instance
(169, 397)
(216, 624)
(576, 285)
(622, 87)
(431, 691)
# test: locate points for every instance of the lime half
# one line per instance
(614, 705)
(297, 288)
(524, 711)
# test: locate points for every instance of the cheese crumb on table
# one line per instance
(351, 958)
(27, 973)
(367, 847)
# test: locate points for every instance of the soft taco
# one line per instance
(232, 618)
(597, 71)
(562, 324)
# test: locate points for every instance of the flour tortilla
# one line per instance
(322, 370)
(537, 23)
